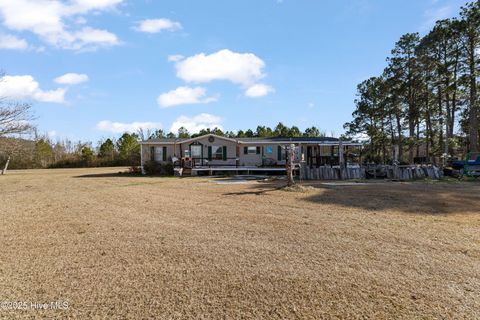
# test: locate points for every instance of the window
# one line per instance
(196, 151)
(252, 150)
(158, 154)
(282, 153)
(217, 153)
(268, 149)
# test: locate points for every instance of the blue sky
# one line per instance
(95, 68)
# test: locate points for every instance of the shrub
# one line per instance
(168, 169)
(153, 168)
(135, 170)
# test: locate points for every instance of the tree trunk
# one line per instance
(473, 114)
(400, 138)
(411, 141)
(454, 99)
(440, 119)
(418, 139)
(429, 127)
(4, 171)
(447, 122)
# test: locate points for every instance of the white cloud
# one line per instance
(25, 87)
(89, 38)
(8, 41)
(120, 127)
(71, 79)
(240, 68)
(157, 25)
(175, 57)
(52, 133)
(81, 6)
(54, 21)
(184, 95)
(258, 90)
(196, 123)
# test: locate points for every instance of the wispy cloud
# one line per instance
(71, 78)
(259, 90)
(196, 123)
(435, 13)
(184, 95)
(11, 42)
(157, 25)
(121, 127)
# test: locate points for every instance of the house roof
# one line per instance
(172, 140)
(262, 140)
(281, 139)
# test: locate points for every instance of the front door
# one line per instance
(196, 152)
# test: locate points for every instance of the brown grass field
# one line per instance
(124, 247)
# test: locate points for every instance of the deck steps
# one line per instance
(186, 172)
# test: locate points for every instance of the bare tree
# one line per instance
(15, 119)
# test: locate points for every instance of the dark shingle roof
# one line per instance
(164, 140)
(296, 139)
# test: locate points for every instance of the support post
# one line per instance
(341, 160)
(290, 160)
(141, 158)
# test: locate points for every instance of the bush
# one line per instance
(135, 170)
(153, 168)
(168, 169)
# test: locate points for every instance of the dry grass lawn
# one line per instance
(123, 247)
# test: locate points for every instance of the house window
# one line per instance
(158, 154)
(217, 153)
(282, 153)
(268, 149)
(252, 150)
(196, 151)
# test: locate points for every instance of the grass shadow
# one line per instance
(111, 175)
(413, 198)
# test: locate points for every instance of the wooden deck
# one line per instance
(212, 170)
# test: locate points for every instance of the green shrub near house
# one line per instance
(153, 168)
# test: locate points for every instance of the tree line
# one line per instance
(427, 96)
(40, 151)
(280, 130)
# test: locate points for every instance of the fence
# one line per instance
(413, 172)
(382, 172)
(332, 173)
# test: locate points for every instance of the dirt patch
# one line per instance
(298, 188)
(121, 247)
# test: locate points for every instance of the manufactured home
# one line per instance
(211, 153)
